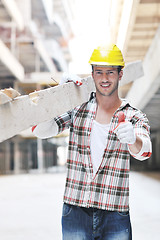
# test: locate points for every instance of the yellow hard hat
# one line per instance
(109, 55)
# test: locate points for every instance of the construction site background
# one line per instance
(38, 43)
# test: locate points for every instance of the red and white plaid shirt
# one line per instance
(109, 188)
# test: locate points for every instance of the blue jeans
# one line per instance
(94, 224)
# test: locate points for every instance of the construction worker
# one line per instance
(103, 133)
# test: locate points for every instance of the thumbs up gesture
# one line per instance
(124, 130)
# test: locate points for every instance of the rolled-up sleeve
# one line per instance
(63, 121)
(142, 130)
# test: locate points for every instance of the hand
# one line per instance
(70, 77)
(125, 132)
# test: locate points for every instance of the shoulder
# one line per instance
(87, 106)
(134, 114)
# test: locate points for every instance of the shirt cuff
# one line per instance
(145, 151)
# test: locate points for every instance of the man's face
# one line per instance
(106, 79)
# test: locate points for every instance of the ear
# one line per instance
(120, 75)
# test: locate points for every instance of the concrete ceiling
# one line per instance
(134, 28)
(142, 31)
(28, 45)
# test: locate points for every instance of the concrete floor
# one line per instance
(30, 206)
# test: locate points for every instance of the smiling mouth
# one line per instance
(105, 85)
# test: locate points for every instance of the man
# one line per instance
(96, 198)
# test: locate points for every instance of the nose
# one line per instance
(104, 77)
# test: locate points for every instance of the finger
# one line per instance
(121, 127)
(78, 83)
(122, 135)
(126, 140)
(122, 132)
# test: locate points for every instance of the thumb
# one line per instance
(121, 118)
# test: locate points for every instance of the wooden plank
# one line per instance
(7, 94)
(25, 111)
(4, 98)
(131, 72)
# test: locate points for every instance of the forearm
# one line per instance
(141, 149)
(46, 129)
(137, 146)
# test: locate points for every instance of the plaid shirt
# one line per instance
(109, 188)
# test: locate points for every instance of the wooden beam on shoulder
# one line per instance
(26, 111)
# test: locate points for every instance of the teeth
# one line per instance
(105, 85)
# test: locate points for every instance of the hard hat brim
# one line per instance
(106, 64)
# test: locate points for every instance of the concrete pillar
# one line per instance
(40, 161)
(158, 150)
(2, 159)
(29, 156)
(13, 39)
(7, 157)
(16, 157)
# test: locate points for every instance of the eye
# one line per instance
(110, 72)
(98, 72)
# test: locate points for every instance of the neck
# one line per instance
(108, 103)
(106, 106)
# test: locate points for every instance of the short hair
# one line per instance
(118, 67)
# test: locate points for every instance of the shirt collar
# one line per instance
(124, 101)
